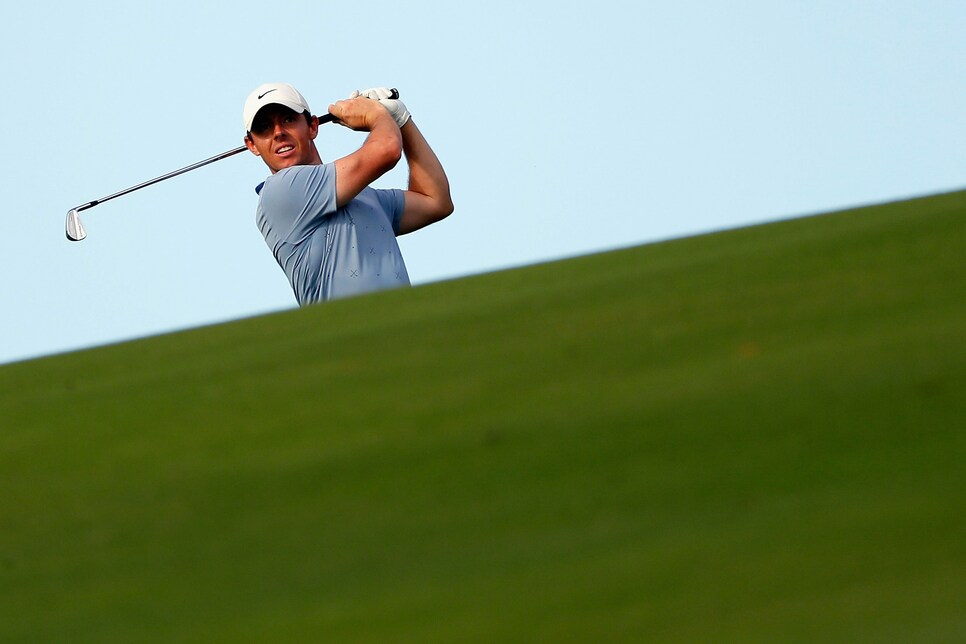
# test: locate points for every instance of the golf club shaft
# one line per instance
(75, 228)
(325, 118)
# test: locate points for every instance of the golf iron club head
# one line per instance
(75, 229)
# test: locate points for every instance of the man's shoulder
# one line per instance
(288, 177)
(296, 182)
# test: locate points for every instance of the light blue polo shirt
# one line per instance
(328, 252)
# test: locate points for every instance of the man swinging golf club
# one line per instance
(333, 235)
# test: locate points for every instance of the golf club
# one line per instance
(74, 226)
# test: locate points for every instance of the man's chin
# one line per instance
(288, 162)
(281, 164)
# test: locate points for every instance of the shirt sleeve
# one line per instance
(393, 202)
(297, 200)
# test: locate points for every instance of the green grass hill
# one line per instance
(750, 436)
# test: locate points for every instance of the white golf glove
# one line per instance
(382, 94)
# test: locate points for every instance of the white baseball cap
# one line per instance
(269, 93)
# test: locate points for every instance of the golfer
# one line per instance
(333, 235)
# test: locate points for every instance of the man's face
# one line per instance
(283, 138)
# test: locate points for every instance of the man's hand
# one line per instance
(384, 95)
(357, 113)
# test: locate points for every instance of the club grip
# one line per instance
(328, 118)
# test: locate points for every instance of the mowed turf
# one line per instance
(756, 435)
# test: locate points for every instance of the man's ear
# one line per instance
(314, 127)
(251, 145)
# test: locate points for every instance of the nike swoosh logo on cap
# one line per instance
(261, 96)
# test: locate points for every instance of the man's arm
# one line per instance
(379, 154)
(428, 198)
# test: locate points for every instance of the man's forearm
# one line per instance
(379, 153)
(426, 174)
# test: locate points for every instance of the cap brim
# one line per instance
(295, 107)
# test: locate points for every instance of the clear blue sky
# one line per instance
(565, 127)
